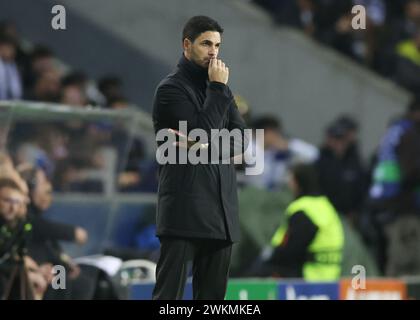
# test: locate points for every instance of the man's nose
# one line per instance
(212, 51)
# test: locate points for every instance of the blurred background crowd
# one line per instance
(389, 45)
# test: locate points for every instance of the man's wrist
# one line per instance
(217, 83)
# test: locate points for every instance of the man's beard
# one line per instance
(202, 63)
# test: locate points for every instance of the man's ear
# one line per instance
(186, 44)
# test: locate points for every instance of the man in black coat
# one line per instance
(197, 211)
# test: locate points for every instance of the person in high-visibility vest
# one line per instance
(310, 244)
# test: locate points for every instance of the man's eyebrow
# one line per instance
(209, 42)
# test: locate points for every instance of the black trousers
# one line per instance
(210, 268)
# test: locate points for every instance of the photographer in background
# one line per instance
(20, 276)
(44, 244)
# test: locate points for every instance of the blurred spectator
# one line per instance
(76, 78)
(8, 171)
(41, 60)
(10, 29)
(341, 172)
(46, 88)
(40, 191)
(395, 195)
(351, 127)
(280, 152)
(118, 103)
(395, 9)
(129, 178)
(15, 281)
(12, 199)
(41, 146)
(406, 26)
(408, 63)
(397, 173)
(111, 88)
(367, 45)
(136, 173)
(92, 158)
(39, 277)
(375, 10)
(10, 79)
(6, 163)
(289, 12)
(81, 80)
(63, 150)
(73, 95)
(310, 244)
(329, 21)
(335, 27)
(44, 247)
(283, 12)
(73, 89)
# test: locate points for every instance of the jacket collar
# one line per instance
(198, 74)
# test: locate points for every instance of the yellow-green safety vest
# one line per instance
(409, 50)
(326, 249)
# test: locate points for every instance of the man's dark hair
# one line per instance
(199, 24)
(40, 51)
(336, 130)
(348, 122)
(75, 78)
(9, 183)
(268, 122)
(108, 82)
(7, 40)
(306, 178)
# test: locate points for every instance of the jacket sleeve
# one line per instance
(172, 105)
(300, 233)
(51, 230)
